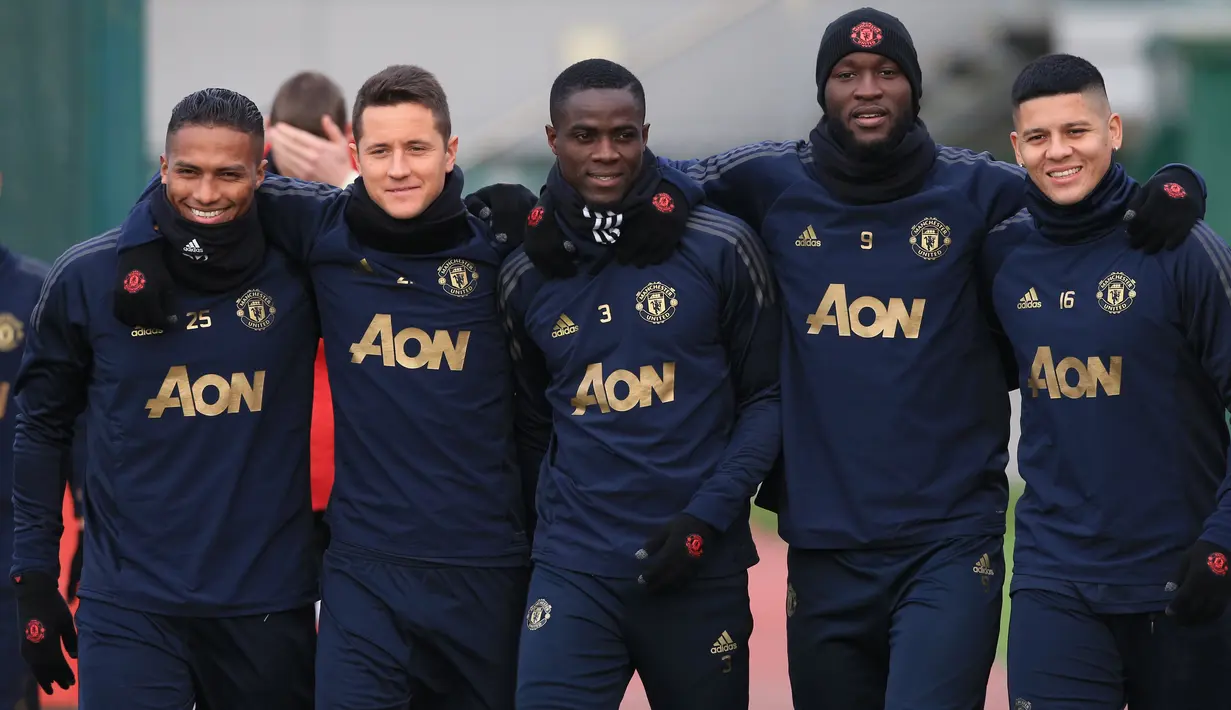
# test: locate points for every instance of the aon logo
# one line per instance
(430, 350)
(1058, 378)
(866, 316)
(622, 389)
(209, 395)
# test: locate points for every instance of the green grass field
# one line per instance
(768, 521)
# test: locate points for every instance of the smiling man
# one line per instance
(198, 578)
(645, 330)
(1120, 580)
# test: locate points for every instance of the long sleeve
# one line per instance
(50, 395)
(998, 243)
(1205, 282)
(742, 181)
(751, 327)
(532, 411)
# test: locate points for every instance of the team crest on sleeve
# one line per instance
(930, 238)
(1116, 292)
(458, 277)
(538, 614)
(656, 302)
(255, 309)
(11, 332)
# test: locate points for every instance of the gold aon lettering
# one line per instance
(622, 390)
(852, 317)
(380, 341)
(1057, 380)
(209, 395)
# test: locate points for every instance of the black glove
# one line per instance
(74, 571)
(45, 622)
(658, 234)
(1205, 585)
(675, 553)
(504, 206)
(143, 292)
(549, 251)
(1163, 211)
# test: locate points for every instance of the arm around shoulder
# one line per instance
(745, 181)
(293, 212)
(996, 187)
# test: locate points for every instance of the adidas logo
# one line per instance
(564, 326)
(808, 238)
(724, 644)
(1030, 300)
(193, 251)
(138, 332)
(984, 565)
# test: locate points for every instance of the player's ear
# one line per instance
(1017, 154)
(1115, 129)
(451, 151)
(162, 168)
(551, 138)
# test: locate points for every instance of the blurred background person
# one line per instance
(309, 133)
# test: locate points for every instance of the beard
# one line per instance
(873, 151)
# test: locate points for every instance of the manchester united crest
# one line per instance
(656, 302)
(11, 332)
(930, 238)
(1116, 292)
(35, 631)
(255, 309)
(538, 614)
(457, 277)
(866, 35)
(792, 601)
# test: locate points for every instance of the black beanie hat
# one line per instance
(868, 30)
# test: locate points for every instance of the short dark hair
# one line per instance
(593, 74)
(219, 108)
(304, 98)
(1056, 74)
(403, 84)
